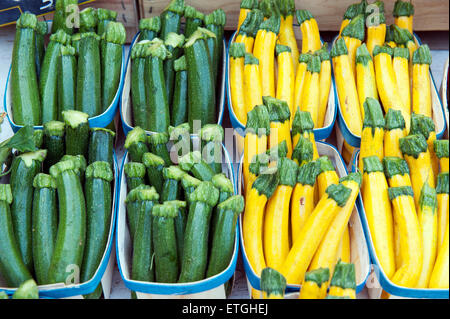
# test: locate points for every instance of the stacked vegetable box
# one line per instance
(175, 74)
(57, 207)
(78, 67)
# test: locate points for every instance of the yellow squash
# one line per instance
(372, 137)
(421, 82)
(400, 64)
(305, 246)
(407, 275)
(300, 80)
(443, 203)
(315, 284)
(245, 7)
(327, 175)
(237, 54)
(439, 276)
(379, 213)
(376, 29)
(310, 31)
(428, 221)
(394, 130)
(276, 218)
(365, 76)
(286, 77)
(403, 14)
(273, 284)
(247, 32)
(279, 115)
(252, 82)
(287, 35)
(346, 87)
(310, 92)
(353, 35)
(352, 11)
(343, 282)
(303, 125)
(441, 149)
(324, 83)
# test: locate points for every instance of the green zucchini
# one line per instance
(88, 20)
(80, 165)
(77, 132)
(66, 80)
(41, 32)
(70, 239)
(149, 28)
(133, 202)
(38, 137)
(180, 135)
(154, 165)
(141, 109)
(174, 43)
(142, 264)
(134, 174)
(201, 91)
(63, 9)
(164, 241)
(180, 91)
(101, 146)
(194, 19)
(171, 187)
(12, 268)
(194, 163)
(223, 236)
(88, 97)
(105, 16)
(195, 249)
(25, 100)
(212, 136)
(45, 225)
(171, 18)
(273, 283)
(3, 295)
(27, 290)
(48, 79)
(215, 22)
(136, 144)
(180, 227)
(23, 170)
(156, 94)
(75, 42)
(225, 187)
(158, 146)
(111, 61)
(53, 143)
(98, 192)
(189, 184)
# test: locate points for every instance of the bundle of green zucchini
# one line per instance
(181, 218)
(174, 72)
(79, 69)
(55, 212)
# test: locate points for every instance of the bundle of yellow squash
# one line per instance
(382, 62)
(265, 60)
(405, 192)
(297, 209)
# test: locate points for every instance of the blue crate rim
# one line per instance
(355, 140)
(101, 120)
(320, 133)
(255, 279)
(182, 288)
(127, 128)
(384, 281)
(90, 285)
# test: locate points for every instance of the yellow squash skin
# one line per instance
(344, 23)
(252, 86)
(421, 90)
(309, 136)
(376, 35)
(387, 85)
(299, 81)
(315, 284)
(287, 37)
(379, 214)
(310, 36)
(347, 92)
(286, 79)
(326, 177)
(326, 255)
(237, 88)
(302, 126)
(410, 241)
(310, 93)
(439, 277)
(280, 132)
(428, 221)
(421, 173)
(434, 158)
(303, 249)
(310, 290)
(371, 144)
(391, 144)
(365, 77)
(401, 71)
(324, 91)
(343, 282)
(443, 206)
(242, 15)
(253, 145)
(340, 292)
(404, 22)
(302, 205)
(352, 45)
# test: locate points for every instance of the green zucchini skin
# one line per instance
(213, 50)
(162, 151)
(67, 79)
(71, 235)
(138, 89)
(155, 176)
(48, 82)
(180, 227)
(201, 92)
(21, 208)
(77, 137)
(26, 106)
(136, 144)
(156, 95)
(137, 150)
(45, 226)
(142, 266)
(210, 148)
(12, 267)
(98, 193)
(195, 249)
(111, 69)
(169, 72)
(54, 143)
(101, 146)
(170, 190)
(88, 98)
(179, 100)
(170, 22)
(191, 26)
(40, 50)
(133, 205)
